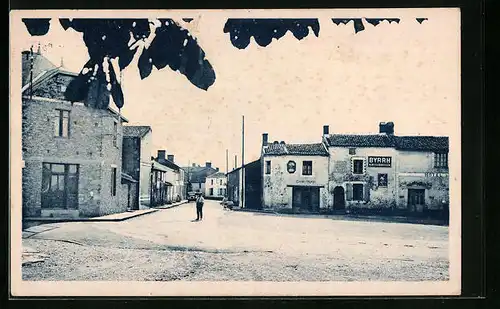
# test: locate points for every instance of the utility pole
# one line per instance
(243, 162)
(227, 171)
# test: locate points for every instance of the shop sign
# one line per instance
(306, 181)
(291, 166)
(379, 161)
(436, 174)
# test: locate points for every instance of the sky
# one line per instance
(408, 73)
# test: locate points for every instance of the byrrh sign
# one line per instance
(379, 161)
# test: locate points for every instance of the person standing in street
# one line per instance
(199, 207)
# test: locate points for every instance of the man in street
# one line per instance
(199, 207)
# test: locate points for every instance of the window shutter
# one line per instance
(349, 191)
(367, 192)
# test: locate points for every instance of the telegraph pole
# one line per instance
(227, 171)
(243, 162)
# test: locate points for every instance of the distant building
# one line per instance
(215, 185)
(71, 153)
(197, 175)
(174, 177)
(253, 185)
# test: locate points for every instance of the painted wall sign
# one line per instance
(291, 166)
(306, 181)
(436, 174)
(379, 161)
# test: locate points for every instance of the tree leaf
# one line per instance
(145, 65)
(116, 89)
(37, 26)
(264, 30)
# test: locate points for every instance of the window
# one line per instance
(59, 185)
(441, 160)
(113, 181)
(115, 134)
(307, 167)
(220, 191)
(220, 182)
(268, 167)
(61, 123)
(357, 192)
(211, 191)
(358, 166)
(212, 182)
(352, 151)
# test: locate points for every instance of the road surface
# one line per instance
(228, 245)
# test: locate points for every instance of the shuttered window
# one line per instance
(268, 167)
(348, 192)
(357, 167)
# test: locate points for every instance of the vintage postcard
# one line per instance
(235, 152)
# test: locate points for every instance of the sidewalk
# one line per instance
(172, 205)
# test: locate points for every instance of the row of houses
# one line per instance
(347, 172)
(80, 161)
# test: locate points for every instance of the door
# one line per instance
(416, 200)
(305, 198)
(338, 198)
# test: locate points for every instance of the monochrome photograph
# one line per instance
(235, 152)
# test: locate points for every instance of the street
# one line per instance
(229, 245)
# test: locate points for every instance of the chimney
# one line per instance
(170, 158)
(264, 139)
(208, 164)
(387, 128)
(326, 129)
(194, 164)
(161, 155)
(216, 169)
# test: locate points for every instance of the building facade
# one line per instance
(295, 176)
(196, 176)
(216, 185)
(136, 158)
(173, 178)
(354, 172)
(71, 152)
(252, 187)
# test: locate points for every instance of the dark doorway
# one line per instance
(305, 198)
(60, 186)
(338, 198)
(416, 200)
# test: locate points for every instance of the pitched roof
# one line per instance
(40, 65)
(416, 143)
(198, 173)
(136, 131)
(282, 149)
(355, 140)
(429, 143)
(217, 175)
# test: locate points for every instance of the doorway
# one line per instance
(305, 198)
(416, 200)
(338, 198)
(60, 186)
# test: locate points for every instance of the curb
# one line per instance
(172, 205)
(96, 219)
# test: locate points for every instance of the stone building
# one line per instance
(295, 176)
(136, 157)
(71, 153)
(387, 172)
(216, 185)
(356, 172)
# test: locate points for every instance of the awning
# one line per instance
(127, 177)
